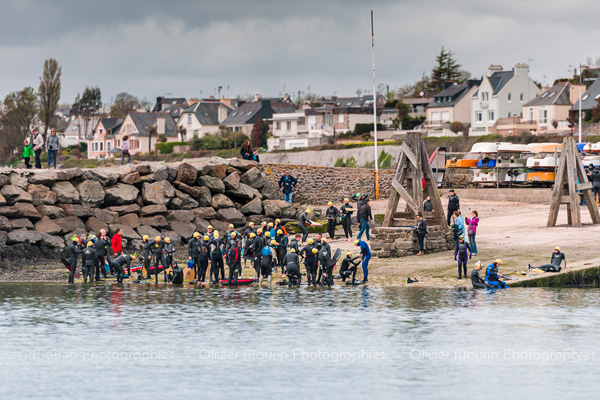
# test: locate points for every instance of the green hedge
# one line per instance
(167, 147)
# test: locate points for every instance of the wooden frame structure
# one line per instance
(413, 169)
(570, 178)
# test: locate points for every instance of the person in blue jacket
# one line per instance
(492, 276)
(365, 256)
(287, 183)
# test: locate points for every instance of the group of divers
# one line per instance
(267, 248)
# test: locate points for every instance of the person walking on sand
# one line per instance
(287, 183)
(125, 150)
(27, 153)
(364, 216)
(38, 145)
(472, 230)
(421, 230)
(453, 204)
(52, 147)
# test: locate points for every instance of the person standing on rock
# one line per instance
(364, 216)
(287, 183)
(332, 214)
(38, 144)
(303, 222)
(52, 147)
(27, 153)
(346, 218)
(117, 243)
(125, 150)
(193, 250)
(216, 265)
(453, 204)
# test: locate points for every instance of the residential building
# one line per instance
(290, 131)
(137, 124)
(243, 118)
(417, 106)
(78, 130)
(162, 103)
(201, 118)
(102, 140)
(553, 106)
(501, 94)
(589, 99)
(453, 103)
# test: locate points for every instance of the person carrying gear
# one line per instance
(193, 250)
(292, 268)
(267, 262)
(175, 276)
(349, 267)
(461, 248)
(158, 249)
(332, 214)
(595, 179)
(73, 252)
(476, 280)
(234, 262)
(169, 250)
(303, 222)
(310, 262)
(89, 260)
(365, 256)
(118, 264)
(217, 265)
(326, 264)
(147, 255)
(281, 249)
(346, 218)
(492, 276)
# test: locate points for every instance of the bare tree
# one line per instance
(49, 91)
(17, 116)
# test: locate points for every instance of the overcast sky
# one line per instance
(188, 48)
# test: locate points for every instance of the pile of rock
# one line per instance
(47, 207)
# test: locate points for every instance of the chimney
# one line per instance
(257, 97)
(521, 69)
(222, 113)
(160, 125)
(193, 101)
(447, 84)
(494, 68)
(473, 83)
(159, 100)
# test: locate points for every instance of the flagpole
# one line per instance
(374, 109)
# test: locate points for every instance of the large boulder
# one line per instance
(3, 201)
(148, 230)
(148, 178)
(271, 192)
(27, 210)
(65, 192)
(253, 177)
(23, 236)
(21, 223)
(193, 191)
(120, 194)
(232, 182)
(185, 229)
(186, 173)
(242, 165)
(187, 201)
(205, 213)
(127, 232)
(106, 176)
(70, 224)
(218, 170)
(215, 185)
(3, 238)
(51, 211)
(175, 237)
(252, 207)
(244, 192)
(274, 208)
(46, 225)
(165, 173)
(9, 212)
(122, 210)
(77, 210)
(54, 242)
(106, 216)
(94, 224)
(141, 169)
(47, 177)
(91, 193)
(180, 215)
(220, 226)
(18, 181)
(231, 215)
(42, 195)
(4, 180)
(5, 224)
(131, 179)
(160, 192)
(131, 220)
(201, 225)
(152, 210)
(221, 201)
(13, 194)
(155, 221)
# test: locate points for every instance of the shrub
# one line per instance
(457, 126)
(361, 129)
(349, 163)
(167, 148)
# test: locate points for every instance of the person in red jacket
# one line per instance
(117, 243)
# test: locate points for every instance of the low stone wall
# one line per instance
(402, 242)
(523, 195)
(318, 185)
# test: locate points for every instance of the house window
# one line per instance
(521, 97)
(289, 126)
(531, 114)
(237, 129)
(196, 133)
(340, 118)
(101, 130)
(485, 96)
(509, 97)
(107, 146)
(278, 125)
(101, 146)
(543, 116)
(118, 142)
(435, 117)
(478, 116)
(490, 115)
(445, 116)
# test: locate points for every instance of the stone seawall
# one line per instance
(318, 185)
(402, 241)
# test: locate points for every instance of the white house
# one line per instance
(501, 94)
(202, 118)
(78, 130)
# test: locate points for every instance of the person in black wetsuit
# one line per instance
(147, 258)
(310, 262)
(476, 280)
(326, 264)
(332, 214)
(234, 262)
(203, 260)
(258, 243)
(74, 251)
(346, 218)
(292, 268)
(595, 179)
(281, 249)
(175, 276)
(303, 222)
(463, 252)
(267, 262)
(158, 249)
(295, 243)
(168, 254)
(120, 262)
(555, 262)
(217, 265)
(427, 204)
(492, 276)
(349, 267)
(193, 250)
(101, 247)
(89, 260)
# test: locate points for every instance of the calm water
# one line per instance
(142, 341)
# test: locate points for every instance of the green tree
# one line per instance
(49, 91)
(595, 114)
(259, 134)
(446, 69)
(87, 106)
(17, 116)
(124, 103)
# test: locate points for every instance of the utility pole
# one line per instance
(374, 109)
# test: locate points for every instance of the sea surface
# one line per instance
(137, 341)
